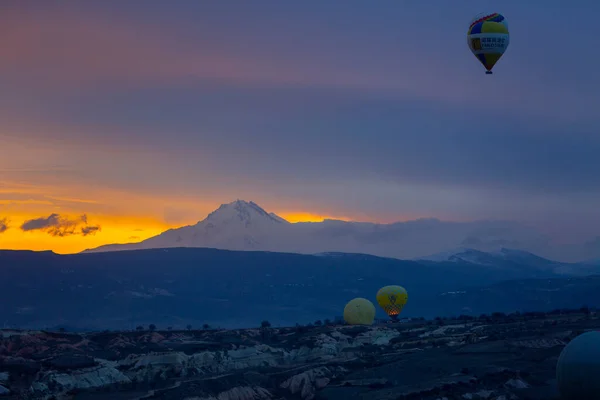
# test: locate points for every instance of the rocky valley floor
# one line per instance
(501, 358)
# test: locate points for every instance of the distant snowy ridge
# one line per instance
(504, 258)
(244, 225)
(448, 255)
(465, 254)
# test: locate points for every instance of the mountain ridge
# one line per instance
(245, 226)
(177, 286)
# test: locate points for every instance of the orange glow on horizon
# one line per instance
(123, 217)
(112, 230)
(295, 217)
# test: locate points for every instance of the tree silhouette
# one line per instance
(189, 327)
(265, 324)
(152, 327)
(585, 310)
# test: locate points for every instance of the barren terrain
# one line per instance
(492, 357)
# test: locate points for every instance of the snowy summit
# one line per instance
(244, 225)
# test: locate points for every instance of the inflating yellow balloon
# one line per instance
(392, 299)
(359, 311)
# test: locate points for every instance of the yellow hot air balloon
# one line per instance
(488, 38)
(359, 311)
(392, 299)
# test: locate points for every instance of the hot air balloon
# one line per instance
(392, 299)
(488, 38)
(359, 311)
(578, 368)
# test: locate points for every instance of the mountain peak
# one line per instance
(242, 210)
(244, 225)
(449, 255)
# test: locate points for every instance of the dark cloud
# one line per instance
(57, 225)
(90, 230)
(3, 225)
(341, 134)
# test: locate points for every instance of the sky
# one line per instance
(120, 119)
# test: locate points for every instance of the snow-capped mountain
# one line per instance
(473, 256)
(239, 225)
(507, 259)
(453, 255)
(243, 225)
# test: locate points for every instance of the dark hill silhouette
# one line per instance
(174, 287)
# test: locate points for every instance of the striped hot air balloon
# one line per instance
(488, 38)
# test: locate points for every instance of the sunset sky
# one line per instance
(122, 118)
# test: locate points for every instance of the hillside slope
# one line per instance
(234, 289)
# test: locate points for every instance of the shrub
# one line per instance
(265, 324)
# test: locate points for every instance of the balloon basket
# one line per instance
(488, 72)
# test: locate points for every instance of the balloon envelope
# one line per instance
(578, 368)
(359, 311)
(488, 38)
(392, 299)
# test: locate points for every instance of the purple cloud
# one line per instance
(57, 225)
(3, 225)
